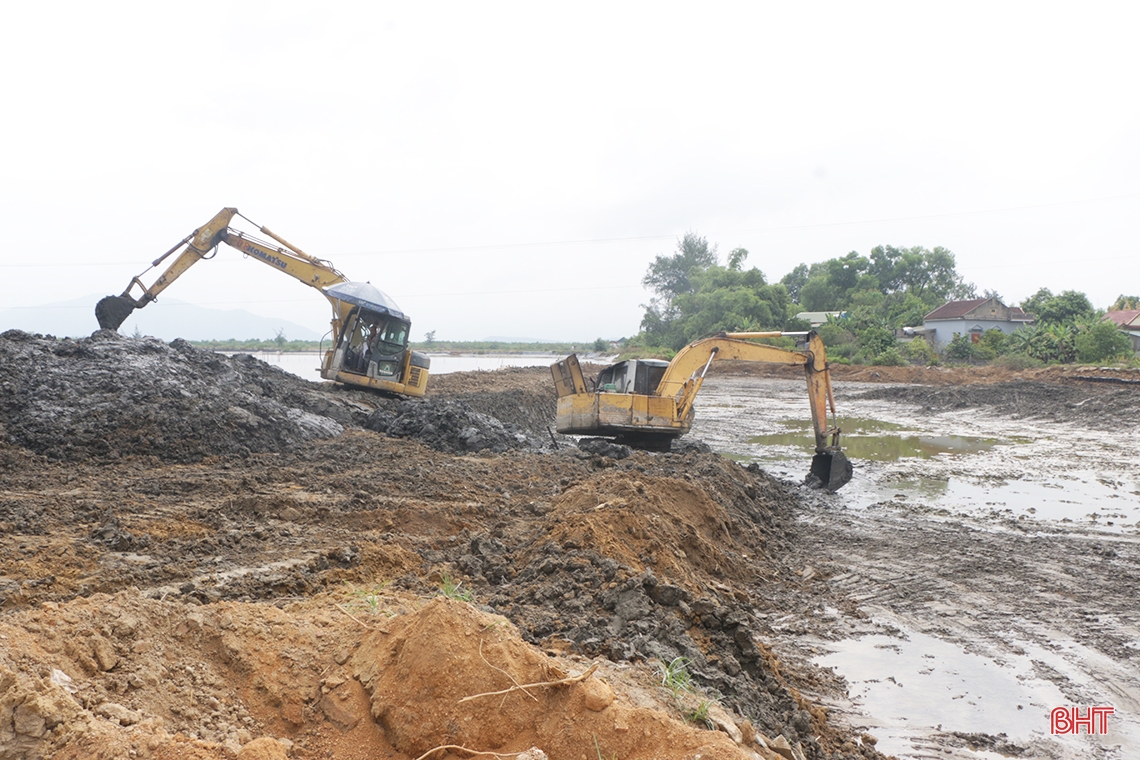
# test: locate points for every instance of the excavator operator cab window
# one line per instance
(376, 338)
(635, 376)
(649, 374)
(394, 335)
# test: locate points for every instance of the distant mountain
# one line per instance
(176, 319)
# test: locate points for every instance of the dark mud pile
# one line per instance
(522, 397)
(635, 564)
(1092, 404)
(109, 396)
(451, 426)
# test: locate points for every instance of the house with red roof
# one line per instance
(972, 317)
(1127, 320)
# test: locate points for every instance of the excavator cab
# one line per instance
(370, 347)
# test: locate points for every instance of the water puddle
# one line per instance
(1075, 497)
(917, 685)
(885, 448)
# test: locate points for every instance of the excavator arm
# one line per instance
(682, 379)
(112, 311)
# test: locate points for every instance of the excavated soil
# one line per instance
(203, 556)
(206, 557)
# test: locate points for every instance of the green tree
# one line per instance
(1064, 308)
(600, 345)
(795, 280)
(1124, 303)
(279, 339)
(736, 258)
(670, 276)
(429, 337)
(1100, 342)
(928, 274)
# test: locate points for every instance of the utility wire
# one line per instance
(636, 238)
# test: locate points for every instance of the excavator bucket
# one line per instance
(830, 469)
(112, 311)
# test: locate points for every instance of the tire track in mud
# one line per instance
(1064, 601)
(1047, 606)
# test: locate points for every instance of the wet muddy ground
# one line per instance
(980, 569)
(204, 557)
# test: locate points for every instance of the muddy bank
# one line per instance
(193, 493)
(1097, 405)
(110, 396)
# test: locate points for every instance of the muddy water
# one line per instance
(994, 562)
(961, 462)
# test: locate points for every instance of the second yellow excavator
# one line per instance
(648, 403)
(369, 332)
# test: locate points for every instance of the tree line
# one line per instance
(877, 294)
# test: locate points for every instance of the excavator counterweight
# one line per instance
(648, 403)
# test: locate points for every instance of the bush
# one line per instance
(876, 340)
(919, 351)
(833, 335)
(982, 352)
(1100, 342)
(891, 358)
(1018, 362)
(959, 349)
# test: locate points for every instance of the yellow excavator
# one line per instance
(647, 403)
(369, 332)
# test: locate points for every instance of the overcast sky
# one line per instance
(511, 169)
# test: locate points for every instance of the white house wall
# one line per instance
(941, 332)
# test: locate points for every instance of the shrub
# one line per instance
(1100, 342)
(919, 351)
(1018, 362)
(959, 349)
(891, 358)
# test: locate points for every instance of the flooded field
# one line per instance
(992, 557)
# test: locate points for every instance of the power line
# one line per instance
(637, 238)
(310, 300)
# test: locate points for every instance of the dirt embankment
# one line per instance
(206, 557)
(957, 375)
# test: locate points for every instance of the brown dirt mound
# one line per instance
(118, 676)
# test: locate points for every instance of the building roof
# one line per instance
(955, 309)
(1017, 314)
(820, 317)
(962, 309)
(1124, 318)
